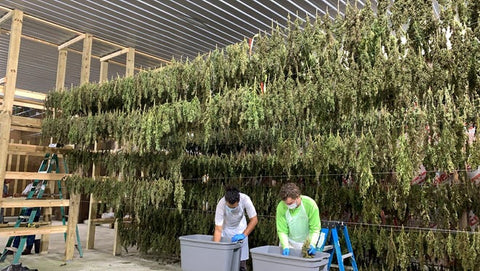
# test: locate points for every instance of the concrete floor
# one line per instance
(100, 258)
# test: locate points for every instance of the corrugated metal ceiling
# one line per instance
(164, 29)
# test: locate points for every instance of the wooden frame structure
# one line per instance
(8, 122)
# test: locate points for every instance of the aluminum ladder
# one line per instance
(331, 244)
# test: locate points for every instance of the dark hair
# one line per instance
(289, 190)
(232, 195)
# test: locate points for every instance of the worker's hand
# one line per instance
(286, 251)
(312, 250)
(238, 237)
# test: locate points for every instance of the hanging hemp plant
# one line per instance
(353, 109)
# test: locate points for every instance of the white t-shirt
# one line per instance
(29, 187)
(245, 203)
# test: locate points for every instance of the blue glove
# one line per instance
(286, 251)
(312, 250)
(238, 237)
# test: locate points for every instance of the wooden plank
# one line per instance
(12, 62)
(22, 202)
(72, 223)
(35, 176)
(117, 248)
(103, 72)
(129, 71)
(108, 220)
(86, 59)
(26, 122)
(102, 220)
(26, 129)
(24, 224)
(92, 208)
(26, 93)
(6, 17)
(6, 108)
(114, 54)
(61, 69)
(35, 150)
(70, 42)
(31, 231)
(29, 104)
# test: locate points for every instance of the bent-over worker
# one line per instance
(297, 220)
(230, 220)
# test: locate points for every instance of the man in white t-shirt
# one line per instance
(230, 221)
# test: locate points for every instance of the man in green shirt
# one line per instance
(298, 220)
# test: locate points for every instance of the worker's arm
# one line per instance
(282, 228)
(219, 216)
(217, 235)
(252, 215)
(251, 225)
(313, 220)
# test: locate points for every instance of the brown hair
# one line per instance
(289, 190)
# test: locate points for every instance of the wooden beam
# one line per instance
(26, 122)
(86, 59)
(61, 69)
(72, 225)
(70, 42)
(6, 108)
(12, 62)
(30, 203)
(92, 208)
(31, 231)
(35, 176)
(6, 17)
(24, 103)
(80, 33)
(114, 54)
(130, 63)
(26, 129)
(34, 150)
(28, 94)
(103, 72)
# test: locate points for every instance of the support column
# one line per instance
(129, 71)
(10, 84)
(130, 65)
(72, 225)
(60, 86)
(74, 207)
(86, 59)
(61, 69)
(92, 213)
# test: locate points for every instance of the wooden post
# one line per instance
(10, 84)
(103, 72)
(74, 207)
(61, 69)
(60, 86)
(130, 65)
(92, 213)
(72, 225)
(129, 71)
(86, 59)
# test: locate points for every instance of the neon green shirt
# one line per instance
(311, 209)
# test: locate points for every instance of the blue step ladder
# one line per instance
(331, 244)
(38, 188)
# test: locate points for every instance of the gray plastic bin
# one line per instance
(271, 258)
(199, 252)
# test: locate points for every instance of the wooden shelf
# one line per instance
(34, 150)
(22, 202)
(32, 231)
(35, 176)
